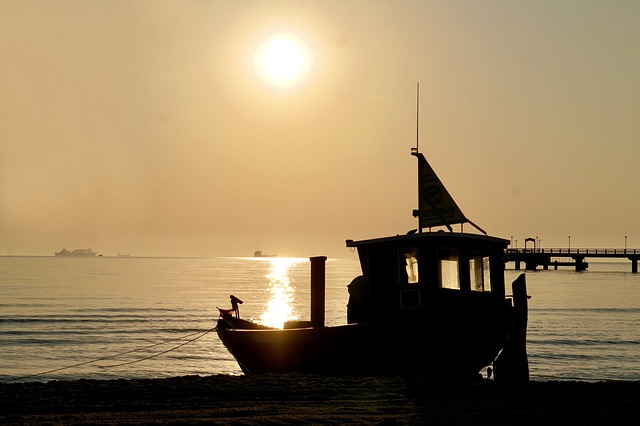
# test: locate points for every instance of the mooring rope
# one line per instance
(159, 353)
(200, 332)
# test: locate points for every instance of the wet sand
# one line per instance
(296, 399)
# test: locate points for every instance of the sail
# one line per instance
(436, 207)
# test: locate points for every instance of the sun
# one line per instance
(283, 60)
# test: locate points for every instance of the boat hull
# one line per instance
(447, 351)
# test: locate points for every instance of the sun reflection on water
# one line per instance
(279, 308)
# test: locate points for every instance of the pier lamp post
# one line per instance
(625, 243)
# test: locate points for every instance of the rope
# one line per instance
(202, 334)
(159, 353)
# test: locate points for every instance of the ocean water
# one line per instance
(128, 317)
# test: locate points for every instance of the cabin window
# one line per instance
(408, 259)
(480, 273)
(448, 263)
(408, 278)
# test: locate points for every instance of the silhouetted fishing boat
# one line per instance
(428, 302)
(259, 253)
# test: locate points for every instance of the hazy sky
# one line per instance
(146, 127)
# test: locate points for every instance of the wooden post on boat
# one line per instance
(512, 364)
(317, 290)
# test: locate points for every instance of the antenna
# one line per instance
(417, 116)
(416, 151)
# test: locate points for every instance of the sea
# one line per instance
(141, 317)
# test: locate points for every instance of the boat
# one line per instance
(430, 302)
(76, 253)
(259, 253)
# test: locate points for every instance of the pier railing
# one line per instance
(545, 257)
(617, 252)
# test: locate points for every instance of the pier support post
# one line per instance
(581, 265)
(634, 264)
(317, 290)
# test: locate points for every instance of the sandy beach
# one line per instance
(295, 399)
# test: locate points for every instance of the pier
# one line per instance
(574, 257)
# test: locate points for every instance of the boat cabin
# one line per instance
(418, 275)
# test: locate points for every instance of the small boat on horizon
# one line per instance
(429, 303)
(259, 253)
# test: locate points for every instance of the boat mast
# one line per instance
(417, 150)
(417, 116)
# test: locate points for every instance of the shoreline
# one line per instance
(296, 398)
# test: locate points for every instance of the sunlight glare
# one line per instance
(283, 60)
(279, 308)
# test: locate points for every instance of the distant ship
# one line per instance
(76, 253)
(259, 253)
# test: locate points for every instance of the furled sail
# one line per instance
(436, 207)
